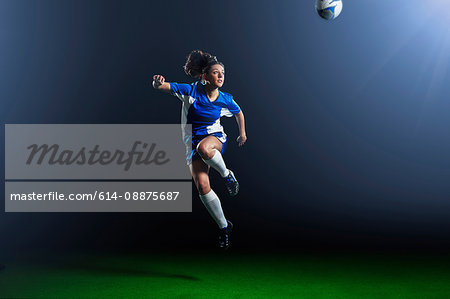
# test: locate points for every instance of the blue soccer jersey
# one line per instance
(199, 111)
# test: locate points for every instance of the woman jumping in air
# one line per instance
(203, 105)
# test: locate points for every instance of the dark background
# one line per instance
(347, 121)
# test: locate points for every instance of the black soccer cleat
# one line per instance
(225, 234)
(232, 184)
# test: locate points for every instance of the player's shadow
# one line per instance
(93, 268)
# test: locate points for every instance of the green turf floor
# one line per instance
(229, 275)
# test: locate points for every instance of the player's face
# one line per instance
(216, 75)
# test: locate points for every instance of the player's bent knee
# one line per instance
(204, 150)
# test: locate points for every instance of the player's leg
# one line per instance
(210, 200)
(199, 171)
(210, 149)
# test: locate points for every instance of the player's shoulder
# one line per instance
(226, 95)
(193, 84)
(196, 85)
(188, 87)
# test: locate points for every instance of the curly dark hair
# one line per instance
(199, 63)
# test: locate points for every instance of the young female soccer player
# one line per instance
(203, 105)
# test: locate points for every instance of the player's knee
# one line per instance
(204, 150)
(203, 186)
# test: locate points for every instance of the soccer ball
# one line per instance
(329, 9)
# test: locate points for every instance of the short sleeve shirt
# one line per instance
(199, 111)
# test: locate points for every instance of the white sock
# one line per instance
(212, 204)
(218, 163)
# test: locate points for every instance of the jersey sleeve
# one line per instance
(233, 107)
(182, 91)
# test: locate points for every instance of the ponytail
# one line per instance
(198, 63)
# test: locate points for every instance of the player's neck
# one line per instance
(212, 92)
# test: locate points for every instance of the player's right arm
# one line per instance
(160, 84)
(182, 91)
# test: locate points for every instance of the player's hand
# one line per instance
(158, 80)
(241, 140)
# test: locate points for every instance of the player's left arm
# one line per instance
(241, 124)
